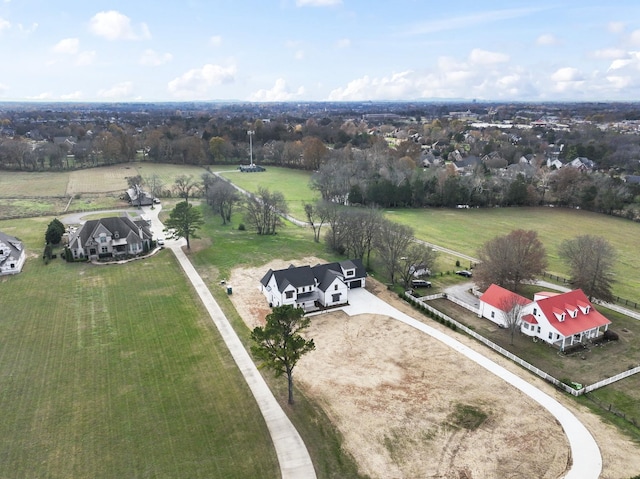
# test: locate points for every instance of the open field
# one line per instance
(293, 184)
(118, 372)
(466, 230)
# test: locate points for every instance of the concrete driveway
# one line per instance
(587, 460)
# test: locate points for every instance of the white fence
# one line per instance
(511, 356)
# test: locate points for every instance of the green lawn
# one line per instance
(466, 230)
(293, 184)
(116, 371)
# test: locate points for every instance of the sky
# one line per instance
(319, 50)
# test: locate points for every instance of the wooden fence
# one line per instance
(499, 349)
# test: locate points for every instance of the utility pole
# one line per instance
(251, 133)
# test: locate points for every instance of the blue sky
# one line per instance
(317, 50)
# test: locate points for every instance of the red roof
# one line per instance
(530, 318)
(570, 302)
(498, 297)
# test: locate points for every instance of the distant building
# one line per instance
(12, 255)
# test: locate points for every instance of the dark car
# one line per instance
(465, 273)
(420, 283)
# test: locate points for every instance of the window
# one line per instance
(351, 272)
(335, 287)
(289, 294)
(103, 249)
(551, 336)
(335, 297)
(1, 251)
(13, 265)
(538, 328)
(526, 326)
(493, 314)
(535, 311)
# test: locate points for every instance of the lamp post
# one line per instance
(251, 133)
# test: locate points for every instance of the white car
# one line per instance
(160, 241)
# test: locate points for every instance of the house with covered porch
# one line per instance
(313, 287)
(560, 319)
(117, 236)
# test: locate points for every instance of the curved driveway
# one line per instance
(293, 457)
(585, 454)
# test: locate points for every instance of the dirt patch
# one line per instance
(395, 394)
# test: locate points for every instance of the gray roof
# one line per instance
(124, 225)
(14, 244)
(321, 274)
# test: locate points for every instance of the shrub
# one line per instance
(610, 335)
(241, 227)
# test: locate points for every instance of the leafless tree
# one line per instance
(155, 185)
(590, 260)
(510, 260)
(512, 306)
(391, 242)
(222, 197)
(185, 186)
(317, 216)
(418, 256)
(264, 211)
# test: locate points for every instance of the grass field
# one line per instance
(293, 184)
(118, 372)
(466, 230)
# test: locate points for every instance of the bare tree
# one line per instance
(590, 260)
(510, 260)
(185, 186)
(512, 306)
(418, 256)
(155, 185)
(391, 242)
(317, 215)
(264, 211)
(222, 196)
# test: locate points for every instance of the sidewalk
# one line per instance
(293, 457)
(587, 460)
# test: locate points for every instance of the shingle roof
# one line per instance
(573, 300)
(498, 297)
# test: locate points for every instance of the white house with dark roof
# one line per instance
(12, 255)
(311, 288)
(560, 319)
(110, 238)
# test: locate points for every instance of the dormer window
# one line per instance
(116, 235)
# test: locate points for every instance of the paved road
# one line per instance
(293, 457)
(587, 460)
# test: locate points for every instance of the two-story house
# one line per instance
(12, 254)
(110, 237)
(310, 288)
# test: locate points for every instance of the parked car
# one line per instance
(160, 241)
(420, 283)
(465, 273)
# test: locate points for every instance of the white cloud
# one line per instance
(4, 24)
(566, 74)
(76, 95)
(215, 41)
(279, 92)
(547, 39)
(68, 46)
(27, 30)
(619, 82)
(635, 37)
(113, 25)
(397, 86)
(343, 43)
(317, 3)
(615, 27)
(152, 58)
(609, 53)
(484, 57)
(118, 91)
(47, 95)
(197, 83)
(85, 58)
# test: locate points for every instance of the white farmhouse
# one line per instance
(312, 288)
